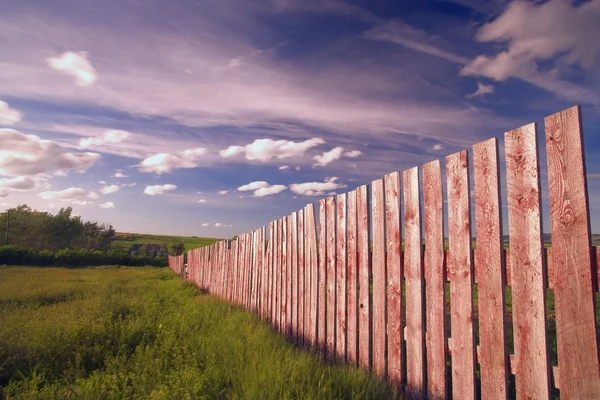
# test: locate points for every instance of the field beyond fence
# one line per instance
(371, 283)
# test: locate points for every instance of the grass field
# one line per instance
(125, 240)
(142, 333)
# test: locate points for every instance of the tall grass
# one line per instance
(143, 333)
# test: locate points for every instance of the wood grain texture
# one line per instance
(379, 279)
(352, 276)
(331, 254)
(578, 359)
(414, 281)
(284, 277)
(531, 364)
(341, 265)
(395, 332)
(250, 272)
(310, 227)
(460, 276)
(264, 263)
(322, 326)
(277, 257)
(363, 242)
(435, 277)
(290, 266)
(301, 271)
(294, 279)
(270, 272)
(489, 271)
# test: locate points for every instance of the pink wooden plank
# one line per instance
(531, 364)
(279, 269)
(460, 275)
(290, 251)
(263, 263)
(234, 268)
(341, 265)
(285, 277)
(269, 305)
(352, 272)
(255, 270)
(571, 243)
(301, 270)
(435, 276)
(322, 326)
(310, 249)
(413, 274)
(331, 254)
(364, 277)
(379, 278)
(394, 278)
(294, 277)
(249, 245)
(489, 271)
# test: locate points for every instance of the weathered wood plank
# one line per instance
(322, 326)
(379, 278)
(263, 263)
(460, 275)
(435, 277)
(489, 271)
(531, 363)
(414, 281)
(290, 267)
(284, 277)
(578, 358)
(269, 305)
(300, 271)
(341, 265)
(277, 256)
(364, 276)
(331, 254)
(352, 273)
(395, 332)
(295, 306)
(310, 250)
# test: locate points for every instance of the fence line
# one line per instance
(435, 322)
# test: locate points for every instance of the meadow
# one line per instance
(123, 241)
(127, 333)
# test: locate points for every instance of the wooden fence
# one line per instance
(436, 319)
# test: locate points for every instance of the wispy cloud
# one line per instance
(8, 115)
(156, 190)
(75, 64)
(317, 188)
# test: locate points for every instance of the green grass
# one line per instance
(124, 241)
(127, 333)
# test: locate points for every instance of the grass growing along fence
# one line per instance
(124, 333)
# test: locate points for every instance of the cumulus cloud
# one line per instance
(119, 174)
(262, 188)
(201, 201)
(75, 64)
(284, 167)
(159, 189)
(18, 183)
(109, 189)
(69, 194)
(218, 225)
(108, 204)
(353, 153)
(8, 116)
(266, 149)
(536, 32)
(329, 156)
(163, 162)
(22, 154)
(205, 224)
(93, 195)
(482, 89)
(110, 136)
(438, 147)
(223, 192)
(317, 188)
(253, 186)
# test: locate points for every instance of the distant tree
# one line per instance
(177, 248)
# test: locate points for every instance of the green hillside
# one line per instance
(124, 240)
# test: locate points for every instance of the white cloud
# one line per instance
(284, 167)
(438, 147)
(205, 224)
(8, 116)
(18, 183)
(353, 153)
(93, 195)
(102, 182)
(266, 149)
(253, 186)
(69, 194)
(110, 136)
(482, 89)
(316, 188)
(108, 204)
(75, 64)
(130, 184)
(268, 191)
(201, 201)
(158, 189)
(218, 225)
(81, 202)
(119, 174)
(109, 189)
(329, 156)
(223, 192)
(163, 162)
(22, 154)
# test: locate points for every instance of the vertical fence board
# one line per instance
(284, 276)
(413, 274)
(528, 287)
(322, 326)
(331, 254)
(235, 267)
(310, 228)
(435, 278)
(489, 271)
(352, 300)
(302, 286)
(394, 278)
(340, 341)
(364, 277)
(277, 258)
(263, 272)
(460, 276)
(270, 277)
(571, 257)
(294, 299)
(379, 276)
(288, 282)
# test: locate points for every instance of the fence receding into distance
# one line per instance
(438, 319)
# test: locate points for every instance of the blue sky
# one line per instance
(214, 117)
